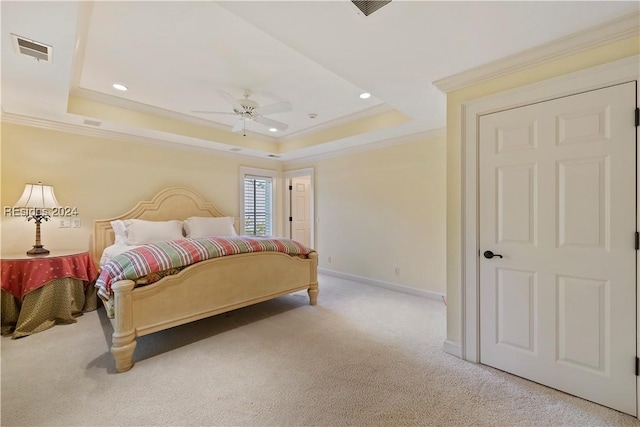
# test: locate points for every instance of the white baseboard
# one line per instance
(453, 349)
(387, 285)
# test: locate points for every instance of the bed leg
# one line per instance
(313, 293)
(313, 284)
(122, 349)
(123, 342)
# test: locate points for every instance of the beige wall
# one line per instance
(103, 178)
(591, 58)
(378, 210)
(383, 209)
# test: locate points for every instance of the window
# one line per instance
(257, 206)
(257, 217)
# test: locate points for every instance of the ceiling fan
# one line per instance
(246, 109)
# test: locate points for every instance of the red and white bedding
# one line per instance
(176, 254)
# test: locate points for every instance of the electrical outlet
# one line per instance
(329, 260)
(76, 223)
(397, 271)
(64, 223)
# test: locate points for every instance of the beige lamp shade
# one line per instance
(37, 196)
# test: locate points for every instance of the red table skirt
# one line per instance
(21, 276)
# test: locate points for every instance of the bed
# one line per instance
(204, 289)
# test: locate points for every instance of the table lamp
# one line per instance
(37, 198)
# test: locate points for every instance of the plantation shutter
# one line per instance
(257, 205)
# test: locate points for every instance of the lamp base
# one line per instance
(38, 250)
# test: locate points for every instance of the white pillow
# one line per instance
(140, 231)
(120, 232)
(200, 226)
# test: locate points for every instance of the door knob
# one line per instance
(489, 255)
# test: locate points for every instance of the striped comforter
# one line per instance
(171, 254)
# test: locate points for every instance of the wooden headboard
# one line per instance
(171, 203)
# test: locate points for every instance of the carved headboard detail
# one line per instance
(172, 203)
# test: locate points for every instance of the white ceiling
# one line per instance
(319, 56)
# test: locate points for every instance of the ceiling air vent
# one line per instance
(34, 49)
(369, 6)
(91, 122)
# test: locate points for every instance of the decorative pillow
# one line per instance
(200, 226)
(140, 232)
(120, 232)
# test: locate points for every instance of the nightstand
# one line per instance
(39, 292)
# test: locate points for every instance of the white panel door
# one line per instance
(558, 203)
(300, 210)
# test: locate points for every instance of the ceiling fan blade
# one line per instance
(238, 126)
(231, 100)
(271, 123)
(212, 112)
(278, 107)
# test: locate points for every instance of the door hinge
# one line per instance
(290, 219)
(637, 240)
(291, 186)
(637, 116)
(637, 366)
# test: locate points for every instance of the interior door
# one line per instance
(300, 210)
(558, 210)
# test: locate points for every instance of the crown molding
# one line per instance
(124, 103)
(405, 139)
(127, 104)
(21, 120)
(368, 112)
(616, 29)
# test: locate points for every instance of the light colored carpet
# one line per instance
(364, 356)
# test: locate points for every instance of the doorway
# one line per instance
(557, 221)
(605, 75)
(299, 206)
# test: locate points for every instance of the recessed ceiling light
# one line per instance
(119, 86)
(273, 130)
(365, 95)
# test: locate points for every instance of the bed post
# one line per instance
(313, 285)
(123, 343)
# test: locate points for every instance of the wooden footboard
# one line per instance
(210, 287)
(204, 289)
